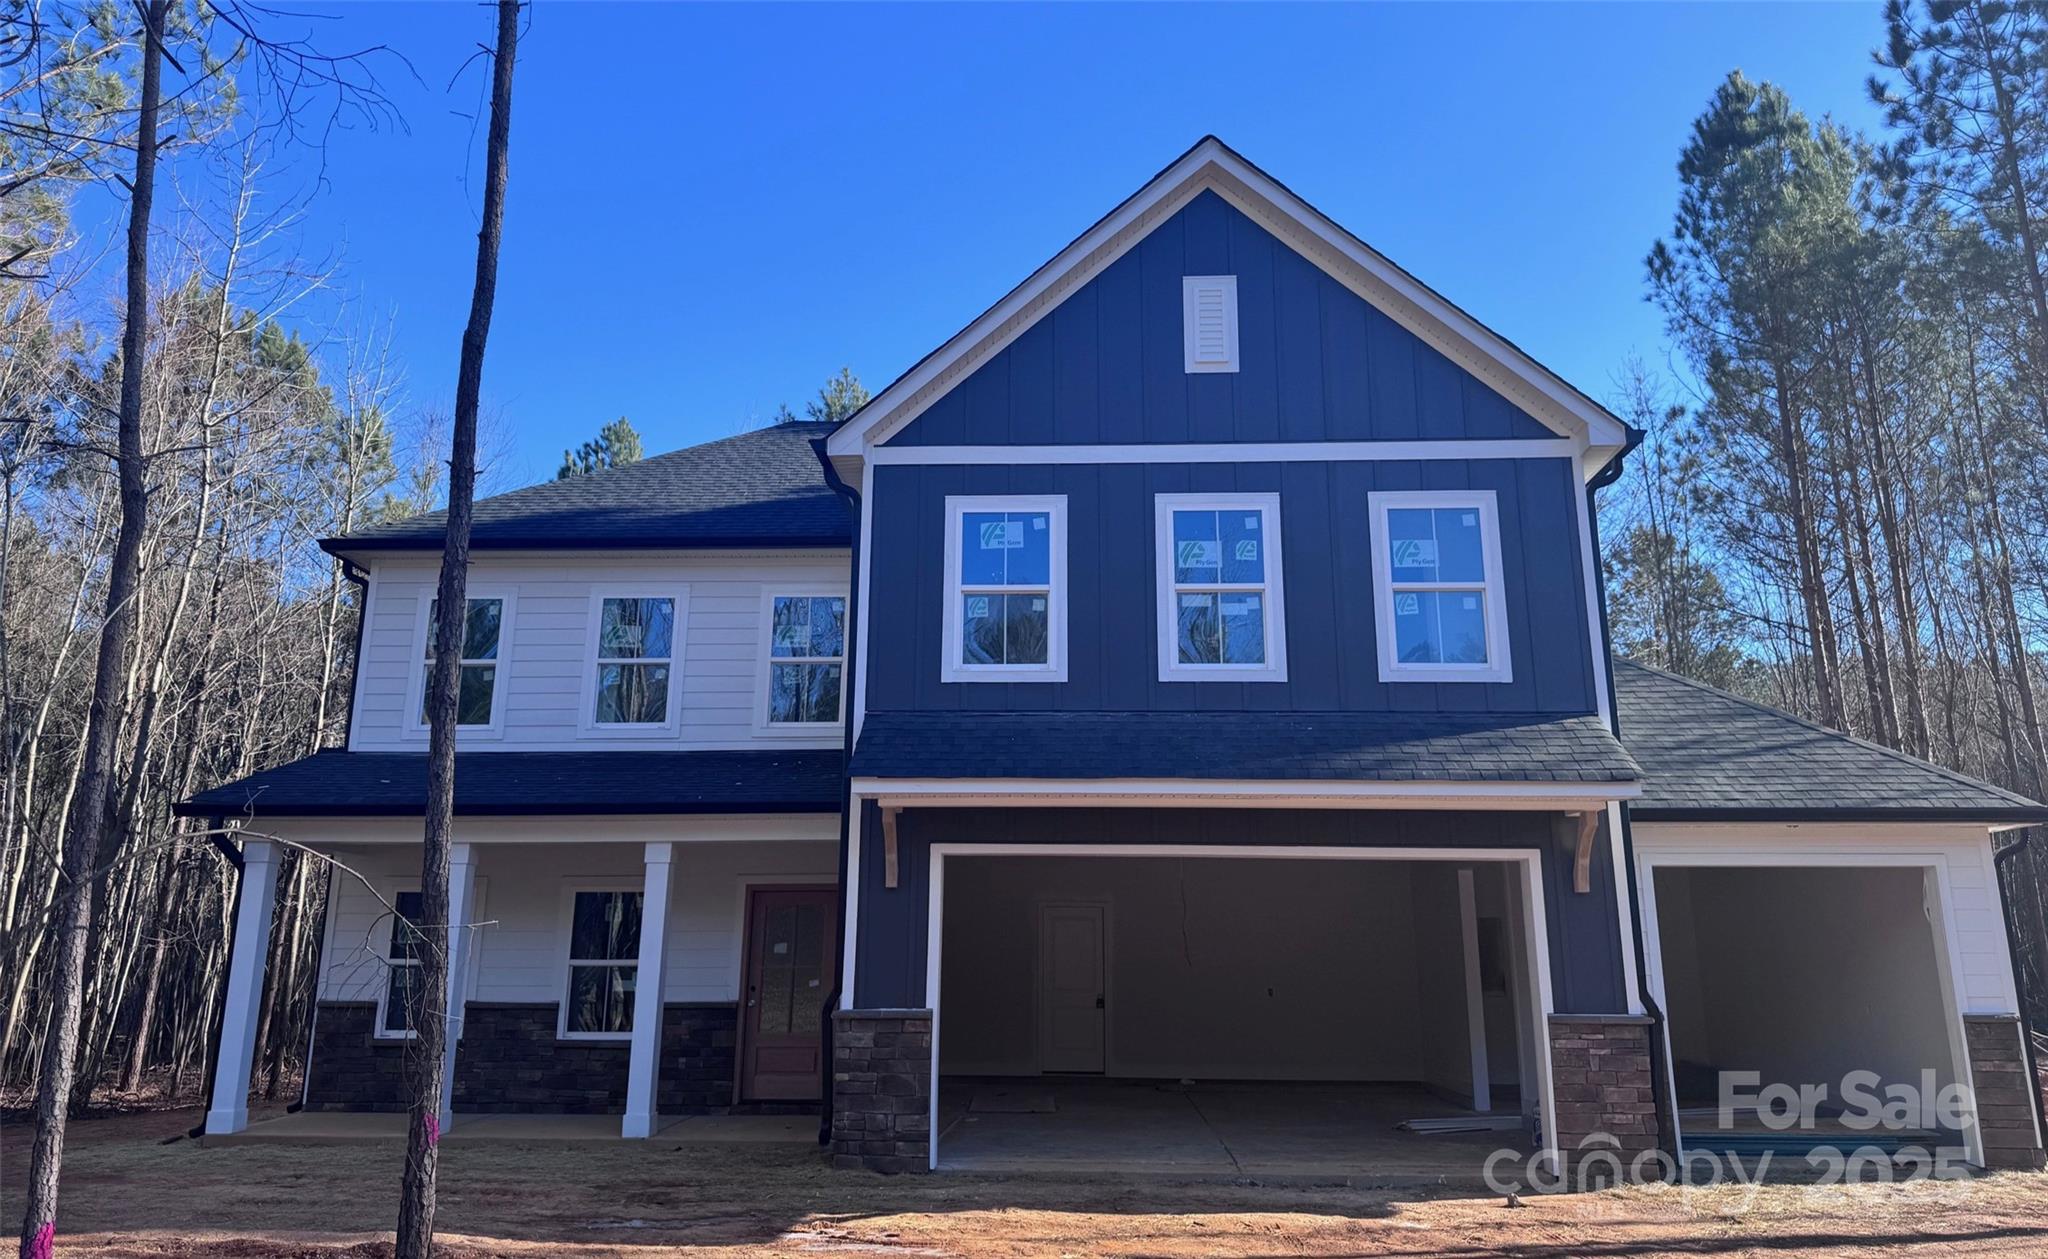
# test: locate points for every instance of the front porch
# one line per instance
(609, 976)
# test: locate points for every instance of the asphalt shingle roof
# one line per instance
(394, 784)
(1388, 747)
(1708, 754)
(762, 488)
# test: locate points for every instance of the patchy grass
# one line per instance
(135, 1188)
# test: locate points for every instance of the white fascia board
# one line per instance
(1211, 165)
(1228, 452)
(1226, 793)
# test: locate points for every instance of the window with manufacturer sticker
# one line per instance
(1220, 602)
(1437, 560)
(1004, 591)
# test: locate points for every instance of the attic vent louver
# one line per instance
(1209, 322)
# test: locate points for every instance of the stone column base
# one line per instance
(1606, 1100)
(881, 1090)
(2004, 1092)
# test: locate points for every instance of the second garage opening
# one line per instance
(1801, 976)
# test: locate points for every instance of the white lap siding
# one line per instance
(521, 948)
(548, 650)
(1961, 855)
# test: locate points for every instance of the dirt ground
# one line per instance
(134, 1187)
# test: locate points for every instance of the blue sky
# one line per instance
(712, 208)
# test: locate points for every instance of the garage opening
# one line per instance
(1235, 1015)
(1804, 976)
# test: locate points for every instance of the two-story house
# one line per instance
(1195, 670)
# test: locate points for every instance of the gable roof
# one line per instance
(1213, 165)
(1708, 755)
(760, 489)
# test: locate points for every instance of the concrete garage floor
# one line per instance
(1256, 1130)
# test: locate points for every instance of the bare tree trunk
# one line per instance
(417, 1193)
(92, 803)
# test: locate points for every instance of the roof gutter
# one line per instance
(1609, 473)
(360, 579)
(847, 690)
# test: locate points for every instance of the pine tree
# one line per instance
(616, 444)
(841, 396)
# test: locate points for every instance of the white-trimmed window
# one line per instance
(636, 644)
(806, 662)
(402, 967)
(1222, 614)
(1438, 589)
(1006, 589)
(604, 963)
(1209, 322)
(486, 636)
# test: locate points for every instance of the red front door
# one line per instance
(791, 939)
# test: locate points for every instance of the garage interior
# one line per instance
(1247, 1015)
(1803, 975)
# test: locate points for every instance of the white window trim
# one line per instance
(1190, 285)
(478, 887)
(768, 660)
(1500, 658)
(951, 668)
(586, 717)
(570, 887)
(423, 645)
(386, 921)
(1270, 591)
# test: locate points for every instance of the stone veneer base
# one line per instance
(881, 1090)
(511, 1061)
(1606, 1096)
(2005, 1102)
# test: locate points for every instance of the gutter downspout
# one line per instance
(851, 497)
(1999, 859)
(220, 1017)
(360, 579)
(1660, 1027)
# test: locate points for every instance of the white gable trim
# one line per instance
(1212, 166)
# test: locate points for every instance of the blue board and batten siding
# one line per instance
(1112, 601)
(1106, 367)
(1318, 363)
(892, 941)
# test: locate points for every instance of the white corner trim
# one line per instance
(587, 723)
(1499, 666)
(1212, 166)
(765, 664)
(1596, 630)
(1272, 592)
(1208, 317)
(952, 667)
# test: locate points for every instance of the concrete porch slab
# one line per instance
(350, 1128)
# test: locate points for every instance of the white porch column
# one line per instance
(244, 997)
(643, 1069)
(461, 896)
